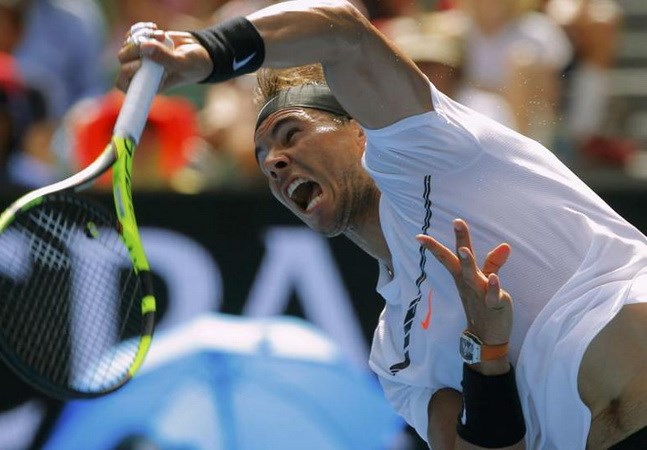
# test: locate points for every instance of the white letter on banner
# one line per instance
(192, 277)
(298, 259)
(19, 426)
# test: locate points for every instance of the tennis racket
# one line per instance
(77, 307)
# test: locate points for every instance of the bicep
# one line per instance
(370, 77)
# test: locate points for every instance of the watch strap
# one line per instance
(489, 352)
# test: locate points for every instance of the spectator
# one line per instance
(58, 44)
(181, 14)
(434, 41)
(12, 103)
(520, 54)
(593, 27)
(227, 127)
(25, 158)
(163, 151)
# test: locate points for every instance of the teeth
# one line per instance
(294, 185)
(314, 202)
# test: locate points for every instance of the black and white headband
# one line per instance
(304, 96)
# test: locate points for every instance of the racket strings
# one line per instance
(26, 317)
(69, 298)
(30, 314)
(112, 365)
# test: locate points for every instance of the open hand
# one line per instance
(488, 308)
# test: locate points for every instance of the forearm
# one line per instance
(303, 32)
(489, 368)
(494, 367)
(447, 404)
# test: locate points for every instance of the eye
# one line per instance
(289, 135)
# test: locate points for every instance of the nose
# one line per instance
(275, 163)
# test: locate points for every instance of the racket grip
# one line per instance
(139, 97)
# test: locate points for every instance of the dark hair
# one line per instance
(272, 81)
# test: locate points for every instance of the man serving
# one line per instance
(362, 144)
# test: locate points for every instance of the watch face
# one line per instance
(469, 350)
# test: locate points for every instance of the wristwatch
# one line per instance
(473, 350)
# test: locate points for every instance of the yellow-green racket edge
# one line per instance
(124, 148)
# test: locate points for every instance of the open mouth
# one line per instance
(304, 193)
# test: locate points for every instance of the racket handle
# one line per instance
(139, 97)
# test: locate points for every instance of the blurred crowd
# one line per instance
(539, 66)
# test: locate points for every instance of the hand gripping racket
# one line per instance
(76, 300)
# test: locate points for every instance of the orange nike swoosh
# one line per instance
(425, 323)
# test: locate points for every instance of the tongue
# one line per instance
(303, 194)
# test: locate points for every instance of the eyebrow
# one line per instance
(273, 132)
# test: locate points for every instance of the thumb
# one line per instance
(493, 297)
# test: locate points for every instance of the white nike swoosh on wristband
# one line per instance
(464, 415)
(238, 64)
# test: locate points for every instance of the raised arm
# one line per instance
(370, 77)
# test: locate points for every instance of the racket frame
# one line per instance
(117, 155)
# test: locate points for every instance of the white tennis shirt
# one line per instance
(573, 260)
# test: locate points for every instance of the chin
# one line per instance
(330, 230)
(331, 233)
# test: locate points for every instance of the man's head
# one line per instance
(310, 150)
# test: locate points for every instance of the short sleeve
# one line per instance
(435, 141)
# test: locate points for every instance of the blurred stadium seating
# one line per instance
(629, 78)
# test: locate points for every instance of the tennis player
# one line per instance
(369, 148)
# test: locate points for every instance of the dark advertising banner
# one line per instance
(236, 254)
(244, 254)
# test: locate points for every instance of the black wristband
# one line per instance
(492, 416)
(235, 48)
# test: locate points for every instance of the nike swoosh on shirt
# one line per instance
(427, 320)
(238, 64)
